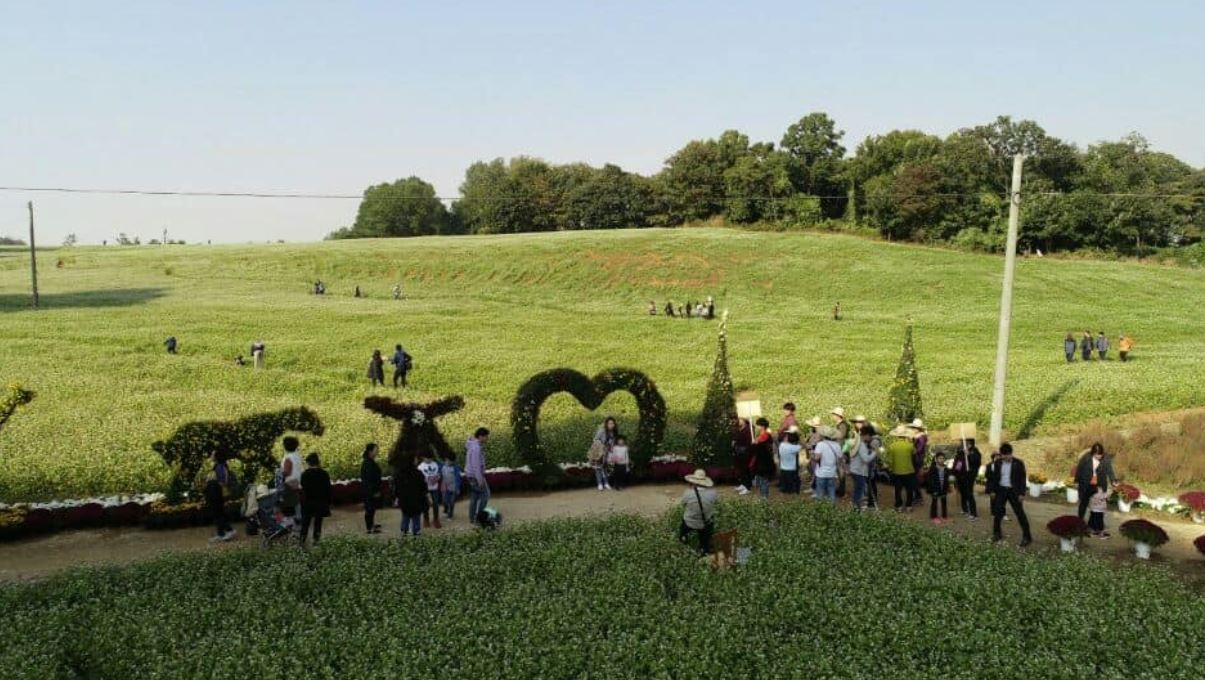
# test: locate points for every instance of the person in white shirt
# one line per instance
(698, 510)
(431, 475)
(788, 461)
(289, 478)
(828, 464)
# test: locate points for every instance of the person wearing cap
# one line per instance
(315, 498)
(788, 462)
(920, 451)
(898, 459)
(1006, 481)
(828, 464)
(763, 458)
(698, 510)
(861, 464)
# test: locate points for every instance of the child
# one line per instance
(1097, 506)
(450, 473)
(620, 463)
(434, 480)
(938, 481)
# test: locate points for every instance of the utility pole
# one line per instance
(33, 258)
(1006, 303)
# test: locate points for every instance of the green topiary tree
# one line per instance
(16, 396)
(903, 402)
(713, 438)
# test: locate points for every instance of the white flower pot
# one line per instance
(1072, 495)
(1123, 505)
(1035, 490)
(1067, 545)
(1198, 517)
(1142, 550)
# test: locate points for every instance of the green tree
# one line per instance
(904, 401)
(405, 207)
(609, 199)
(758, 185)
(814, 146)
(694, 177)
(712, 444)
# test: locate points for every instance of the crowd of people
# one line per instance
(1095, 347)
(686, 310)
(319, 288)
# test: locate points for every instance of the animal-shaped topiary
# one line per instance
(418, 434)
(15, 397)
(250, 440)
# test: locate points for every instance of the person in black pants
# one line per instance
(966, 469)
(315, 498)
(1006, 480)
(370, 488)
(219, 480)
(1093, 470)
(938, 481)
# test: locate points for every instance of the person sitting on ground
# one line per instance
(1069, 347)
(170, 344)
(938, 480)
(376, 369)
(1102, 346)
(652, 308)
(315, 498)
(698, 510)
(620, 461)
(239, 361)
(1125, 344)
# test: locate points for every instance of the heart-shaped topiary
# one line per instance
(590, 392)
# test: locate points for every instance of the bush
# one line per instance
(904, 401)
(713, 439)
(1144, 531)
(1199, 543)
(1151, 453)
(1067, 526)
(1127, 492)
(1195, 500)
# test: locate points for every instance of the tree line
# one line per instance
(907, 185)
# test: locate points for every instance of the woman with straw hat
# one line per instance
(698, 510)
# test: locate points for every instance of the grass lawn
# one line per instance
(828, 591)
(482, 314)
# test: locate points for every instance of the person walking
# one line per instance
(669, 309)
(966, 470)
(1006, 481)
(401, 365)
(315, 498)
(938, 480)
(370, 487)
(600, 448)
(1094, 469)
(257, 354)
(451, 473)
(861, 463)
(1125, 344)
(170, 344)
(898, 459)
(220, 480)
(474, 472)
(1086, 345)
(412, 498)
(828, 464)
(788, 462)
(1102, 346)
(698, 510)
(1069, 347)
(763, 458)
(397, 291)
(376, 369)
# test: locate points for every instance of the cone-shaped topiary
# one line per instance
(713, 438)
(16, 396)
(904, 402)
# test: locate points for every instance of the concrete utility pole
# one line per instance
(33, 258)
(1006, 303)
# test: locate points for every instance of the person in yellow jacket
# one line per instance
(1124, 344)
(898, 459)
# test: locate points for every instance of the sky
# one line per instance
(321, 97)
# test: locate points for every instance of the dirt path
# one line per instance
(40, 557)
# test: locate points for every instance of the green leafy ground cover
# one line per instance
(485, 313)
(827, 592)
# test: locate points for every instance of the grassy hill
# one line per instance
(484, 313)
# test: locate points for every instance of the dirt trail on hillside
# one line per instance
(40, 557)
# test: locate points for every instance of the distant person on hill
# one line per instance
(357, 293)
(1125, 344)
(1086, 345)
(837, 312)
(170, 344)
(682, 313)
(652, 308)
(257, 353)
(321, 288)
(1069, 346)
(698, 510)
(315, 498)
(669, 309)
(474, 472)
(239, 361)
(710, 308)
(370, 487)
(397, 292)
(1006, 480)
(412, 496)
(401, 365)
(763, 458)
(430, 470)
(376, 369)
(938, 480)
(966, 469)
(1102, 346)
(1094, 470)
(218, 482)
(689, 309)
(700, 310)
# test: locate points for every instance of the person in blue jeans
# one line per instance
(828, 464)
(474, 472)
(788, 461)
(412, 497)
(861, 463)
(450, 472)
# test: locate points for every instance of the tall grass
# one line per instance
(1171, 454)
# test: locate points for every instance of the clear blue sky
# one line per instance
(331, 97)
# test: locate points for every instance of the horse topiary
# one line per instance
(250, 440)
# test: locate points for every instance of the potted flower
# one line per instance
(1036, 480)
(1070, 529)
(1199, 544)
(1126, 495)
(1145, 535)
(1195, 502)
(1071, 491)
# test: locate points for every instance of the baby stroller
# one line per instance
(264, 517)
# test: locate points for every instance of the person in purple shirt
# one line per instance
(474, 472)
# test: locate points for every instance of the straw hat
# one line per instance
(814, 422)
(860, 419)
(793, 429)
(838, 411)
(905, 431)
(699, 478)
(917, 424)
(829, 433)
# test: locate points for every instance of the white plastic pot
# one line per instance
(1035, 490)
(1123, 505)
(1142, 550)
(1067, 545)
(1072, 495)
(1198, 517)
